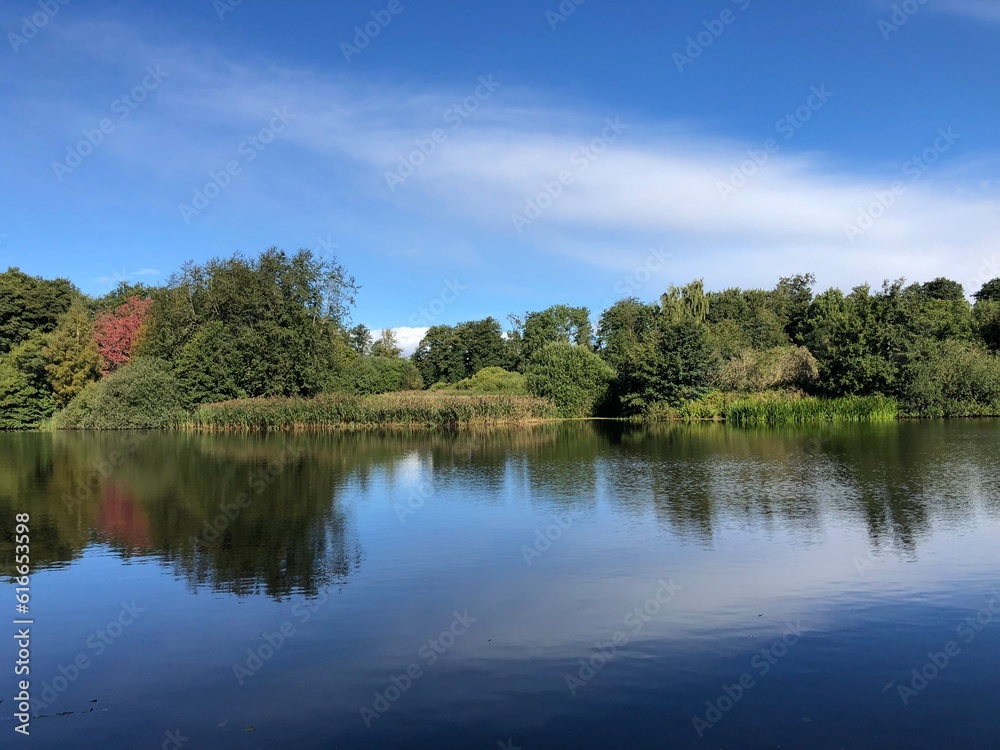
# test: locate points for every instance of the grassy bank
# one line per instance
(411, 408)
(779, 408)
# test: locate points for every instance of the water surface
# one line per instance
(571, 586)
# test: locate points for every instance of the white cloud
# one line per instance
(409, 338)
(646, 189)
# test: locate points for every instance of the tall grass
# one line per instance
(411, 408)
(776, 408)
(762, 411)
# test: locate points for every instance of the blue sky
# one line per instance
(474, 159)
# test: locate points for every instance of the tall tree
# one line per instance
(71, 354)
(28, 304)
(118, 331)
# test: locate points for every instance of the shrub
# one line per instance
(571, 376)
(371, 375)
(952, 379)
(143, 394)
(755, 370)
(494, 380)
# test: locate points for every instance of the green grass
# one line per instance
(759, 411)
(410, 408)
(777, 408)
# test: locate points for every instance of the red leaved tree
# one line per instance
(117, 332)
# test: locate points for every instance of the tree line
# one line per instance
(279, 325)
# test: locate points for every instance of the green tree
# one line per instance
(440, 356)
(285, 315)
(29, 304)
(71, 355)
(360, 339)
(372, 375)
(559, 323)
(386, 345)
(990, 292)
(572, 376)
(26, 398)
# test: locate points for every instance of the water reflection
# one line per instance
(265, 513)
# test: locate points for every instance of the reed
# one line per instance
(770, 411)
(409, 409)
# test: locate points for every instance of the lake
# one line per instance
(576, 585)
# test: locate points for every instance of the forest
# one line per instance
(269, 341)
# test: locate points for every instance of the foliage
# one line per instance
(754, 370)
(386, 345)
(571, 376)
(559, 323)
(143, 394)
(71, 355)
(494, 380)
(952, 379)
(986, 322)
(118, 331)
(29, 304)
(26, 398)
(990, 292)
(380, 374)
(283, 314)
(343, 410)
(452, 353)
(359, 339)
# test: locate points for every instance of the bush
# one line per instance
(143, 394)
(371, 375)
(952, 379)
(573, 377)
(494, 380)
(755, 370)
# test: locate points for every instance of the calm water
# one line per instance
(574, 586)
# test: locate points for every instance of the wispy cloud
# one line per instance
(658, 184)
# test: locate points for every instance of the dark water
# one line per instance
(700, 587)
